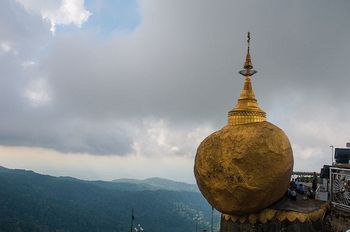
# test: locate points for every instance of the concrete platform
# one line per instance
(300, 205)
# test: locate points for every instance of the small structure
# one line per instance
(338, 180)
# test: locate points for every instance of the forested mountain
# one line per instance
(34, 202)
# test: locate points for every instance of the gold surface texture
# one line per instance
(246, 166)
(247, 109)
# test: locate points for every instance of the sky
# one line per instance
(101, 89)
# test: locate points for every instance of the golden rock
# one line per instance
(246, 166)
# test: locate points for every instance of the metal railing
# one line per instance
(340, 187)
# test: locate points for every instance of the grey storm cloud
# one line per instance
(179, 64)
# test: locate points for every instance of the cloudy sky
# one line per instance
(100, 89)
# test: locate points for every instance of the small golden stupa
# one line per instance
(246, 166)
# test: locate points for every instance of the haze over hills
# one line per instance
(161, 183)
(33, 202)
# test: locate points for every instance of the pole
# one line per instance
(212, 219)
(132, 219)
(331, 146)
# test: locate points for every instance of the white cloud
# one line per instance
(37, 92)
(180, 67)
(160, 138)
(5, 47)
(28, 64)
(62, 12)
(97, 167)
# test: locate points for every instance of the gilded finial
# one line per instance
(247, 109)
(248, 66)
(248, 40)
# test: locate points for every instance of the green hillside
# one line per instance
(34, 202)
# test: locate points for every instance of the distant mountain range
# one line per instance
(157, 183)
(33, 202)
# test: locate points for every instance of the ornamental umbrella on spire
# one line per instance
(248, 66)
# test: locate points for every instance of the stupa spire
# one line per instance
(247, 109)
(248, 61)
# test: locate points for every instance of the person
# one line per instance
(292, 194)
(300, 188)
(292, 184)
(309, 193)
(314, 183)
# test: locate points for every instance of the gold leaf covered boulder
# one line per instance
(246, 166)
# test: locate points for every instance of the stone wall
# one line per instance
(271, 226)
(337, 221)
